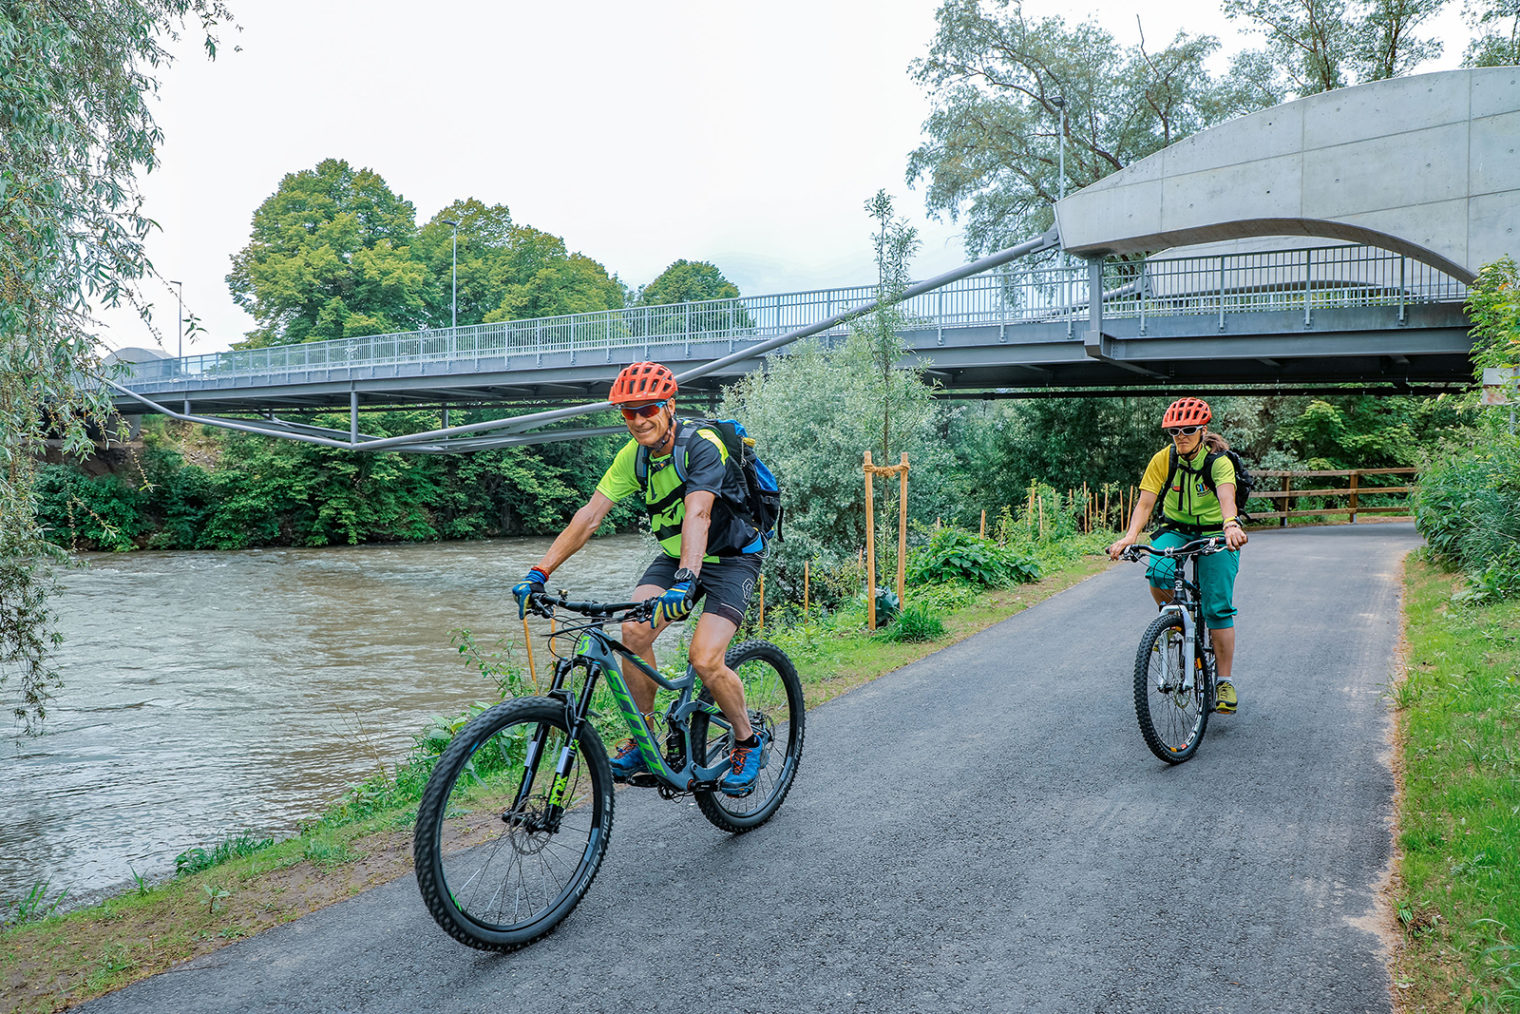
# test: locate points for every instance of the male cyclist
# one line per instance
(1191, 509)
(700, 533)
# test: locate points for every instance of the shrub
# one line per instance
(1468, 510)
(914, 624)
(955, 555)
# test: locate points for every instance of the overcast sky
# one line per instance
(749, 136)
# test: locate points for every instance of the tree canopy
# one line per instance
(75, 129)
(997, 80)
(1320, 45)
(687, 282)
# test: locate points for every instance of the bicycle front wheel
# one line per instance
(502, 852)
(1171, 704)
(773, 695)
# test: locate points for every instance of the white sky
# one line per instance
(749, 136)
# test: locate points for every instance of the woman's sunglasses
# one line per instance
(1180, 431)
(643, 411)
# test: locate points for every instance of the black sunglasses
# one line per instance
(1182, 431)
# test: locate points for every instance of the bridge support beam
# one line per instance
(1094, 341)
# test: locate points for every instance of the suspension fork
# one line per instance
(576, 709)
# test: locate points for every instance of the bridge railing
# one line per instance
(1306, 279)
(1303, 279)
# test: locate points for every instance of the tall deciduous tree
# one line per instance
(330, 256)
(75, 129)
(687, 282)
(1325, 44)
(995, 77)
(485, 242)
(538, 277)
(1496, 24)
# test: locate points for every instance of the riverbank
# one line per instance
(68, 959)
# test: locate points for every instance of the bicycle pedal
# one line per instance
(642, 780)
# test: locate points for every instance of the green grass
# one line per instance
(1459, 818)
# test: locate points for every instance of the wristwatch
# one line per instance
(684, 574)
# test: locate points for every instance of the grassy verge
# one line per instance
(365, 839)
(1458, 888)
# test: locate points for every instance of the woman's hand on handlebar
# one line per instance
(1235, 536)
(1116, 551)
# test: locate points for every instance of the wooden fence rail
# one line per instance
(1290, 494)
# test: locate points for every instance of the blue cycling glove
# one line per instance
(675, 604)
(533, 584)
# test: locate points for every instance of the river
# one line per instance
(209, 693)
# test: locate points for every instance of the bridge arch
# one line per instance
(1426, 166)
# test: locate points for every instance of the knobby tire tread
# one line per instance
(426, 847)
(1161, 624)
(711, 803)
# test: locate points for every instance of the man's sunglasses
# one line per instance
(1182, 431)
(643, 411)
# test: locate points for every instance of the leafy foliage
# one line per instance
(955, 555)
(1493, 306)
(688, 282)
(1321, 45)
(915, 624)
(993, 75)
(330, 255)
(1468, 510)
(1496, 33)
(75, 129)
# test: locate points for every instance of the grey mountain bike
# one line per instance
(1174, 666)
(517, 814)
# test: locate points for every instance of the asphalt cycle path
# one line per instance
(981, 830)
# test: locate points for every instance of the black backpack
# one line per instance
(762, 506)
(1244, 481)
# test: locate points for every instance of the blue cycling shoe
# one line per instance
(745, 763)
(628, 760)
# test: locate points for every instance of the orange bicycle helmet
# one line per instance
(1186, 412)
(642, 382)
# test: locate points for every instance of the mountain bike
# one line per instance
(516, 817)
(1174, 667)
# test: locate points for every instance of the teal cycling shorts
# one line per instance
(1216, 577)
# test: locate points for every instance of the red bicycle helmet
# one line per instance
(1186, 412)
(642, 382)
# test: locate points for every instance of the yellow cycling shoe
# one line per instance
(1224, 698)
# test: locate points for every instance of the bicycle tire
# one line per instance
(491, 884)
(1172, 720)
(773, 694)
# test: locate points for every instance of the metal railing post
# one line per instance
(1401, 289)
(1308, 285)
(1221, 292)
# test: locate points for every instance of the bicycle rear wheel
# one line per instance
(773, 695)
(496, 873)
(1173, 712)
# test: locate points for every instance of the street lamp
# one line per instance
(181, 298)
(454, 277)
(1059, 101)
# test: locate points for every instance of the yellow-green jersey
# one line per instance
(1189, 502)
(706, 468)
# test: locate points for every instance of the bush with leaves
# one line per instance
(955, 555)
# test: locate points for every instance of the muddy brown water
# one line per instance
(209, 693)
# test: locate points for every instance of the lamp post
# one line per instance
(180, 294)
(454, 277)
(1059, 101)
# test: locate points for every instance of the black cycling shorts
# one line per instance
(725, 584)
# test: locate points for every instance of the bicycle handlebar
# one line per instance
(1199, 547)
(545, 604)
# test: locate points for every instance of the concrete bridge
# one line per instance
(1324, 241)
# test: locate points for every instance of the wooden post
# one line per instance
(1040, 506)
(805, 588)
(1355, 475)
(902, 530)
(984, 523)
(1105, 505)
(870, 552)
(1282, 522)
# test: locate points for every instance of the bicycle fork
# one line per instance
(1189, 654)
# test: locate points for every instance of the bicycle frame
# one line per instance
(598, 654)
(1187, 603)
